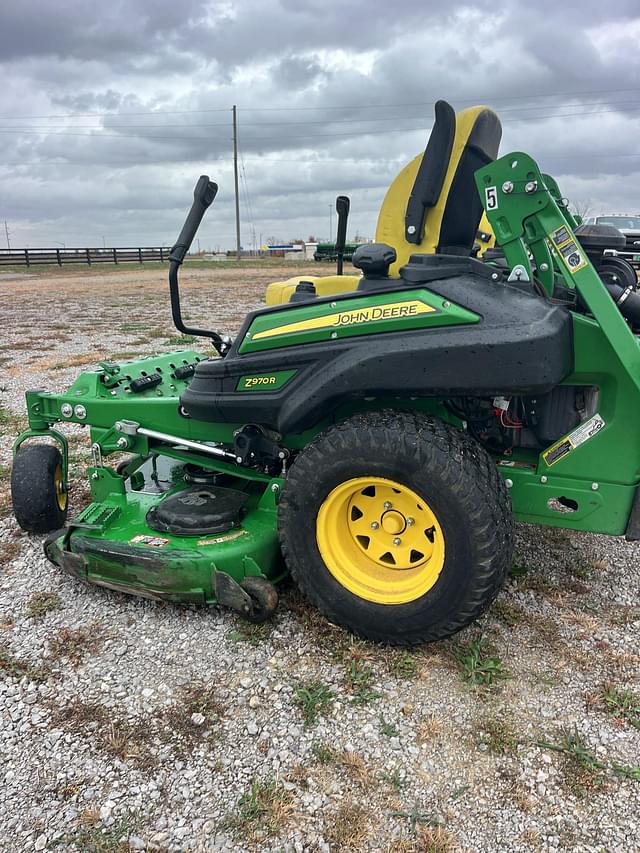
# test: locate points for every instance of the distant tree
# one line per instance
(582, 207)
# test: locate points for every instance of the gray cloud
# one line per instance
(150, 86)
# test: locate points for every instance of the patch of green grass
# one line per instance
(518, 568)
(358, 678)
(99, 839)
(478, 664)
(508, 612)
(313, 698)
(581, 568)
(177, 340)
(323, 753)
(132, 327)
(42, 602)
(388, 729)
(497, 735)
(10, 422)
(583, 769)
(395, 780)
(415, 817)
(11, 665)
(251, 632)
(404, 664)
(622, 703)
(265, 807)
(623, 771)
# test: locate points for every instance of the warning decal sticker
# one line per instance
(580, 434)
(226, 538)
(568, 249)
(151, 541)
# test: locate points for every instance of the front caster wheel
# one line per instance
(38, 489)
(264, 599)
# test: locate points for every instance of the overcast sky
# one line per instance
(110, 111)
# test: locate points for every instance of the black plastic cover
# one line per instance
(197, 511)
(522, 345)
(431, 172)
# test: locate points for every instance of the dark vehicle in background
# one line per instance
(328, 251)
(629, 224)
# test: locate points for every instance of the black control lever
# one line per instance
(203, 195)
(342, 208)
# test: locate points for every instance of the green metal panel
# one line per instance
(351, 316)
(597, 477)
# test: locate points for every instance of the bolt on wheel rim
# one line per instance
(380, 540)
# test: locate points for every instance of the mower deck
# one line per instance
(111, 542)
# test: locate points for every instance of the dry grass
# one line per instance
(434, 840)
(10, 548)
(128, 741)
(429, 729)
(348, 828)
(357, 769)
(75, 643)
(264, 810)
(42, 602)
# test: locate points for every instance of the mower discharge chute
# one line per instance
(374, 436)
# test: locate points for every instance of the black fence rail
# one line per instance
(33, 257)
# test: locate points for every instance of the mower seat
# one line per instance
(432, 206)
(446, 222)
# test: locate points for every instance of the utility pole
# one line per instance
(330, 223)
(235, 177)
(6, 231)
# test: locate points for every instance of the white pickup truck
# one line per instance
(629, 224)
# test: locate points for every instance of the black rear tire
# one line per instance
(38, 492)
(449, 471)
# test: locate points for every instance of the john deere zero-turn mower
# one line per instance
(374, 436)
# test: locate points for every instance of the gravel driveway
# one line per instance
(128, 724)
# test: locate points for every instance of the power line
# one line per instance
(474, 99)
(303, 161)
(356, 132)
(357, 120)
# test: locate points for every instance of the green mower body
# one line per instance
(528, 364)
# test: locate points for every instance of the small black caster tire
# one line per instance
(38, 490)
(264, 599)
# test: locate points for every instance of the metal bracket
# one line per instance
(230, 593)
(96, 455)
(518, 273)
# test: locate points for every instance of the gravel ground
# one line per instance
(128, 724)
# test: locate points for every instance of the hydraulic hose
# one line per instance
(627, 300)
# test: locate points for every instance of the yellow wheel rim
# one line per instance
(61, 494)
(380, 540)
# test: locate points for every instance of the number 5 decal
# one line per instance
(491, 195)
